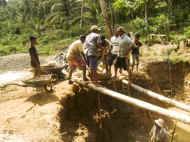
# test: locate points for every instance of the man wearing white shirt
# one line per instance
(115, 49)
(125, 46)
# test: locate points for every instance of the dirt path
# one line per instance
(29, 116)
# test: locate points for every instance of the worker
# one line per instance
(35, 62)
(103, 54)
(158, 132)
(91, 46)
(76, 58)
(136, 51)
(125, 46)
(114, 49)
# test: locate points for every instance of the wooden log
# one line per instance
(158, 96)
(138, 103)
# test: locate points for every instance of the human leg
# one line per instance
(93, 67)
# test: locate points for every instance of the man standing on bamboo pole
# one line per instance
(92, 43)
(125, 47)
(76, 57)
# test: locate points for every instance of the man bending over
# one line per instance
(76, 58)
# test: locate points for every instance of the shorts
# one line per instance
(121, 63)
(135, 59)
(111, 59)
(76, 62)
(92, 62)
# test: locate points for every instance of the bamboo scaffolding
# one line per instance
(158, 96)
(138, 103)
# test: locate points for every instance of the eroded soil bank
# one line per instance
(109, 120)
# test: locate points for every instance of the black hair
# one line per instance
(137, 35)
(32, 38)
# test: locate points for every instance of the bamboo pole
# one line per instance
(138, 103)
(158, 96)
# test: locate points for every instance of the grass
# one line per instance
(48, 44)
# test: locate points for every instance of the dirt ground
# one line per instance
(69, 114)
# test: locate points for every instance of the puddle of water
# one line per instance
(11, 138)
(12, 76)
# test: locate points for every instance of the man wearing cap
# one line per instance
(125, 46)
(158, 132)
(114, 49)
(91, 46)
(35, 62)
(75, 57)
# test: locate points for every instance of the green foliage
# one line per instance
(56, 21)
(158, 24)
(138, 24)
(187, 32)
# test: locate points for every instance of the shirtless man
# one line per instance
(76, 58)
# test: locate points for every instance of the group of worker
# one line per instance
(87, 52)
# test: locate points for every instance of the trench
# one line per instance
(87, 116)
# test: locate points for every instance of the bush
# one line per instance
(158, 24)
(187, 32)
(138, 24)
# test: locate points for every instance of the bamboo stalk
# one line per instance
(138, 103)
(158, 96)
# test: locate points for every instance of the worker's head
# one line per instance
(82, 38)
(159, 123)
(129, 34)
(120, 30)
(33, 40)
(137, 36)
(103, 41)
(95, 29)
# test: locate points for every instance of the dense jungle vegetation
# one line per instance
(58, 22)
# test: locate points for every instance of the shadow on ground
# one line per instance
(42, 98)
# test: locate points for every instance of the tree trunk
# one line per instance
(82, 11)
(169, 2)
(146, 16)
(106, 16)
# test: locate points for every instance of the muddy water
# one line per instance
(12, 66)
(12, 76)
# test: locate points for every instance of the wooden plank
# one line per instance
(158, 96)
(138, 103)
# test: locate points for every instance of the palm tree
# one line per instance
(64, 13)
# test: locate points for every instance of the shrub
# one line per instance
(159, 23)
(187, 32)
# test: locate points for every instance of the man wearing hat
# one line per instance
(35, 62)
(158, 132)
(125, 46)
(75, 57)
(92, 44)
(114, 49)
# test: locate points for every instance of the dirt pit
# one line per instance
(88, 116)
